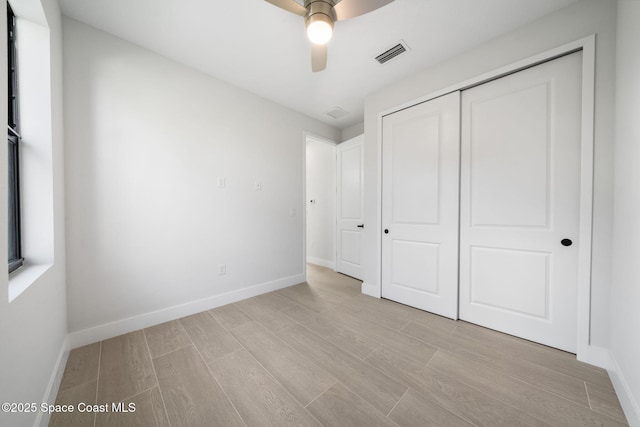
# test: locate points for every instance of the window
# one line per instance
(13, 138)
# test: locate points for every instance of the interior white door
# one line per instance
(350, 207)
(420, 176)
(519, 192)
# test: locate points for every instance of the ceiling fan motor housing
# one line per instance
(319, 10)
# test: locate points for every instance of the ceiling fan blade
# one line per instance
(347, 9)
(318, 57)
(289, 5)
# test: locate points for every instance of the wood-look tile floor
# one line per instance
(321, 353)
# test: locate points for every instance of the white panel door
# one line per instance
(350, 206)
(519, 201)
(420, 178)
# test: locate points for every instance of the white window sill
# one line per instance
(24, 277)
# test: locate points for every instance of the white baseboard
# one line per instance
(627, 400)
(42, 419)
(593, 355)
(321, 262)
(371, 290)
(119, 327)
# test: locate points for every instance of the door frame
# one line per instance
(587, 45)
(306, 136)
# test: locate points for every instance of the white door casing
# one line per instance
(420, 177)
(350, 207)
(519, 198)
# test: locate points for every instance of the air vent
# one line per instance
(336, 113)
(392, 52)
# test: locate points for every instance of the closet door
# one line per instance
(519, 211)
(420, 173)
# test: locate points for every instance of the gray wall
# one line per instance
(625, 292)
(146, 141)
(352, 131)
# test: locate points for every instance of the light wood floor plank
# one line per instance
(274, 301)
(230, 316)
(430, 320)
(605, 401)
(211, 339)
(416, 410)
(323, 278)
(556, 382)
(125, 368)
(448, 392)
(267, 315)
(313, 299)
(82, 366)
(426, 370)
(480, 333)
(345, 338)
(374, 315)
(409, 346)
(258, 397)
(340, 407)
(380, 310)
(550, 358)
(166, 337)
(302, 378)
(545, 406)
(378, 389)
(190, 393)
(85, 393)
(148, 411)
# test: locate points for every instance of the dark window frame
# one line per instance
(13, 141)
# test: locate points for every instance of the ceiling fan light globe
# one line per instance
(319, 31)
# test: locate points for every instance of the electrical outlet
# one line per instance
(222, 269)
(221, 182)
(257, 185)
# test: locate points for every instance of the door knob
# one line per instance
(361, 226)
(566, 242)
(386, 231)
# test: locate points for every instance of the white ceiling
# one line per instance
(256, 46)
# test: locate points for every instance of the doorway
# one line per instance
(320, 203)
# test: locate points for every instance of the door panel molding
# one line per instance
(420, 165)
(520, 167)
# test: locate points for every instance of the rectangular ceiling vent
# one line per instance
(400, 48)
(336, 112)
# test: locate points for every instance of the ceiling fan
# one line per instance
(319, 17)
